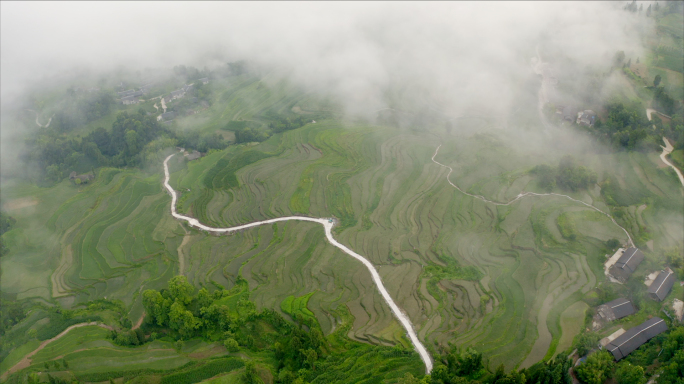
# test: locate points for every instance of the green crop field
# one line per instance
(506, 280)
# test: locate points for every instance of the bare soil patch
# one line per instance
(20, 203)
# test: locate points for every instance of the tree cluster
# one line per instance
(568, 175)
(190, 73)
(183, 314)
(467, 368)
(626, 126)
(77, 110)
(121, 146)
(12, 313)
(6, 223)
(133, 138)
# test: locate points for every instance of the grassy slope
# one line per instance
(395, 208)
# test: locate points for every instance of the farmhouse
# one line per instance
(123, 94)
(167, 116)
(177, 94)
(146, 88)
(83, 179)
(128, 100)
(616, 309)
(194, 155)
(626, 264)
(586, 118)
(635, 337)
(204, 80)
(569, 114)
(662, 285)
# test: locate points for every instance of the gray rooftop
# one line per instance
(635, 337)
(616, 309)
(168, 115)
(125, 93)
(662, 285)
(630, 260)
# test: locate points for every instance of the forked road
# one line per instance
(327, 224)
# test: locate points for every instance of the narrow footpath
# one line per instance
(26, 361)
(667, 149)
(327, 225)
(521, 195)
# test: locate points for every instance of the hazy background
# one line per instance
(459, 54)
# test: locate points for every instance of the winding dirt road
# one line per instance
(327, 225)
(39, 124)
(26, 361)
(667, 149)
(521, 195)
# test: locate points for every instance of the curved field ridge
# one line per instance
(327, 224)
(521, 195)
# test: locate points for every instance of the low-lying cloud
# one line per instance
(458, 54)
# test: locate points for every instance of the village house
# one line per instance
(128, 100)
(626, 264)
(177, 94)
(194, 155)
(624, 344)
(587, 117)
(82, 179)
(568, 114)
(204, 80)
(167, 116)
(616, 309)
(145, 88)
(123, 94)
(662, 285)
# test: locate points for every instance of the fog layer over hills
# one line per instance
(464, 55)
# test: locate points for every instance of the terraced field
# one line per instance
(496, 278)
(397, 209)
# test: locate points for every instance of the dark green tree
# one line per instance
(251, 375)
(585, 342)
(627, 373)
(597, 368)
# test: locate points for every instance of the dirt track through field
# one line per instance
(327, 225)
(526, 194)
(26, 361)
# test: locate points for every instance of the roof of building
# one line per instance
(569, 113)
(193, 155)
(662, 284)
(177, 92)
(620, 307)
(168, 115)
(125, 93)
(129, 98)
(630, 260)
(635, 337)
